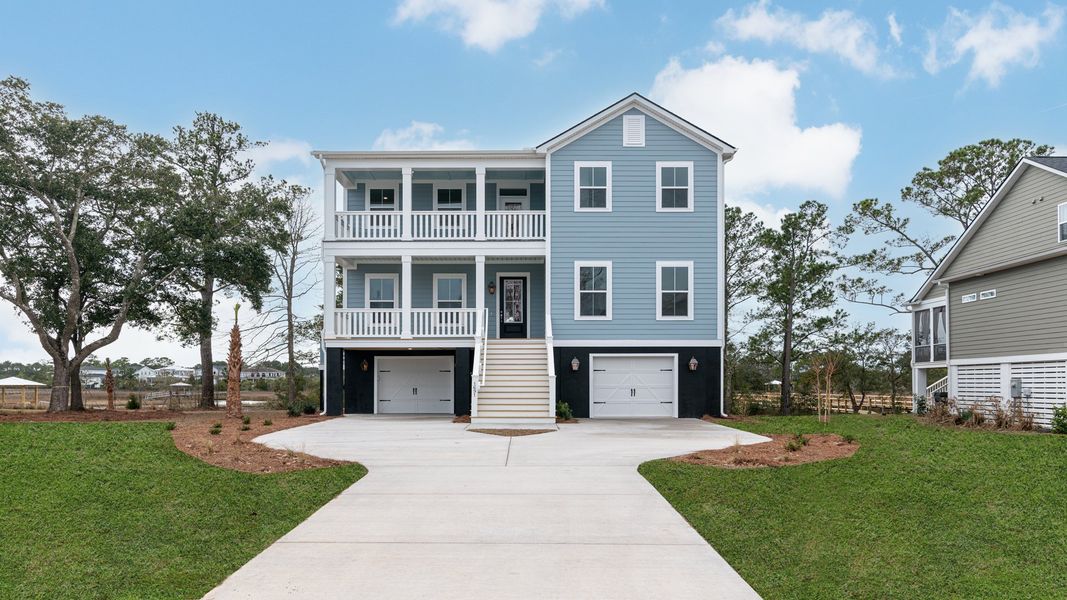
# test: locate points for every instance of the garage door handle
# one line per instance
(444, 400)
(600, 403)
(666, 401)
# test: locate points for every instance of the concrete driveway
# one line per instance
(446, 513)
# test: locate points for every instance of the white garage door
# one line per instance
(633, 386)
(414, 384)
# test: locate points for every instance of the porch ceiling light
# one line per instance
(575, 364)
(693, 364)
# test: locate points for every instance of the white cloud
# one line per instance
(488, 24)
(547, 57)
(420, 135)
(836, 32)
(996, 39)
(768, 213)
(895, 30)
(752, 105)
(714, 47)
(277, 153)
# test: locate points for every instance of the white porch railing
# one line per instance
(367, 225)
(941, 385)
(444, 322)
(444, 225)
(367, 322)
(481, 337)
(515, 225)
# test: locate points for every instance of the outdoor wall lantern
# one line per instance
(492, 288)
(693, 364)
(363, 366)
(575, 363)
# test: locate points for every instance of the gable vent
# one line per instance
(633, 130)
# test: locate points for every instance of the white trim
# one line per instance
(578, 264)
(720, 251)
(987, 294)
(648, 107)
(548, 241)
(629, 122)
(592, 361)
(393, 343)
(638, 343)
(578, 165)
(366, 288)
(378, 184)
(463, 287)
(689, 185)
(500, 290)
(962, 241)
(659, 289)
(512, 185)
(968, 298)
(1061, 218)
(498, 249)
(458, 185)
(1016, 358)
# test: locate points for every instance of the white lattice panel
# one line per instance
(977, 385)
(1047, 383)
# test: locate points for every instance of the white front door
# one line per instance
(633, 386)
(414, 384)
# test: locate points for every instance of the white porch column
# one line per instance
(479, 285)
(405, 293)
(918, 387)
(329, 296)
(329, 189)
(408, 195)
(479, 202)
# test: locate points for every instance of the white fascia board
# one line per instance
(348, 248)
(393, 344)
(636, 343)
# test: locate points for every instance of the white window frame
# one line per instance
(578, 164)
(396, 288)
(987, 294)
(659, 185)
(640, 120)
(462, 187)
(968, 298)
(578, 264)
(367, 186)
(500, 185)
(1061, 218)
(659, 290)
(463, 287)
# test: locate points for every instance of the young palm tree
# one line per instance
(109, 384)
(233, 369)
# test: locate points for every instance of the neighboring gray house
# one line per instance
(995, 311)
(587, 269)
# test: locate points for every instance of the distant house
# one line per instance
(217, 371)
(146, 374)
(175, 372)
(262, 373)
(92, 377)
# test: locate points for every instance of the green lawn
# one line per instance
(114, 510)
(918, 512)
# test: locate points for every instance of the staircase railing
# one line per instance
(478, 368)
(941, 385)
(551, 367)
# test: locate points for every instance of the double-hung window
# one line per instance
(674, 186)
(592, 290)
(449, 290)
(381, 199)
(592, 186)
(1061, 219)
(674, 290)
(449, 199)
(381, 290)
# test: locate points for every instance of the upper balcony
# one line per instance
(435, 197)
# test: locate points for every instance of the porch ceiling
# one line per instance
(445, 174)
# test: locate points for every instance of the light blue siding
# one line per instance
(535, 291)
(357, 279)
(356, 198)
(634, 236)
(422, 283)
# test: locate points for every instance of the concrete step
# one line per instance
(544, 422)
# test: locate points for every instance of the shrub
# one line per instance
(170, 425)
(245, 428)
(293, 410)
(246, 419)
(800, 439)
(920, 405)
(1059, 419)
(267, 422)
(793, 445)
(215, 429)
(134, 403)
(563, 411)
(310, 409)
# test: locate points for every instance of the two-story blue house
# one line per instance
(587, 270)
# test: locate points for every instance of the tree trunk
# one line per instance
(207, 381)
(787, 364)
(76, 402)
(290, 372)
(59, 399)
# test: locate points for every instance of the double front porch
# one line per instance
(450, 299)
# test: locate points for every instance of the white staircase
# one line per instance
(516, 388)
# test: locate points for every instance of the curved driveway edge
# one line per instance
(447, 513)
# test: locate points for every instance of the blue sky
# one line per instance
(836, 102)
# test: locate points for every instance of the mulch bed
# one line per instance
(820, 446)
(462, 419)
(89, 416)
(234, 449)
(512, 432)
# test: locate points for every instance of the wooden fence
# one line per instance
(839, 403)
(150, 399)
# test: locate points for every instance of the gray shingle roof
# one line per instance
(1056, 162)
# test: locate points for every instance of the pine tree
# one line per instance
(233, 369)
